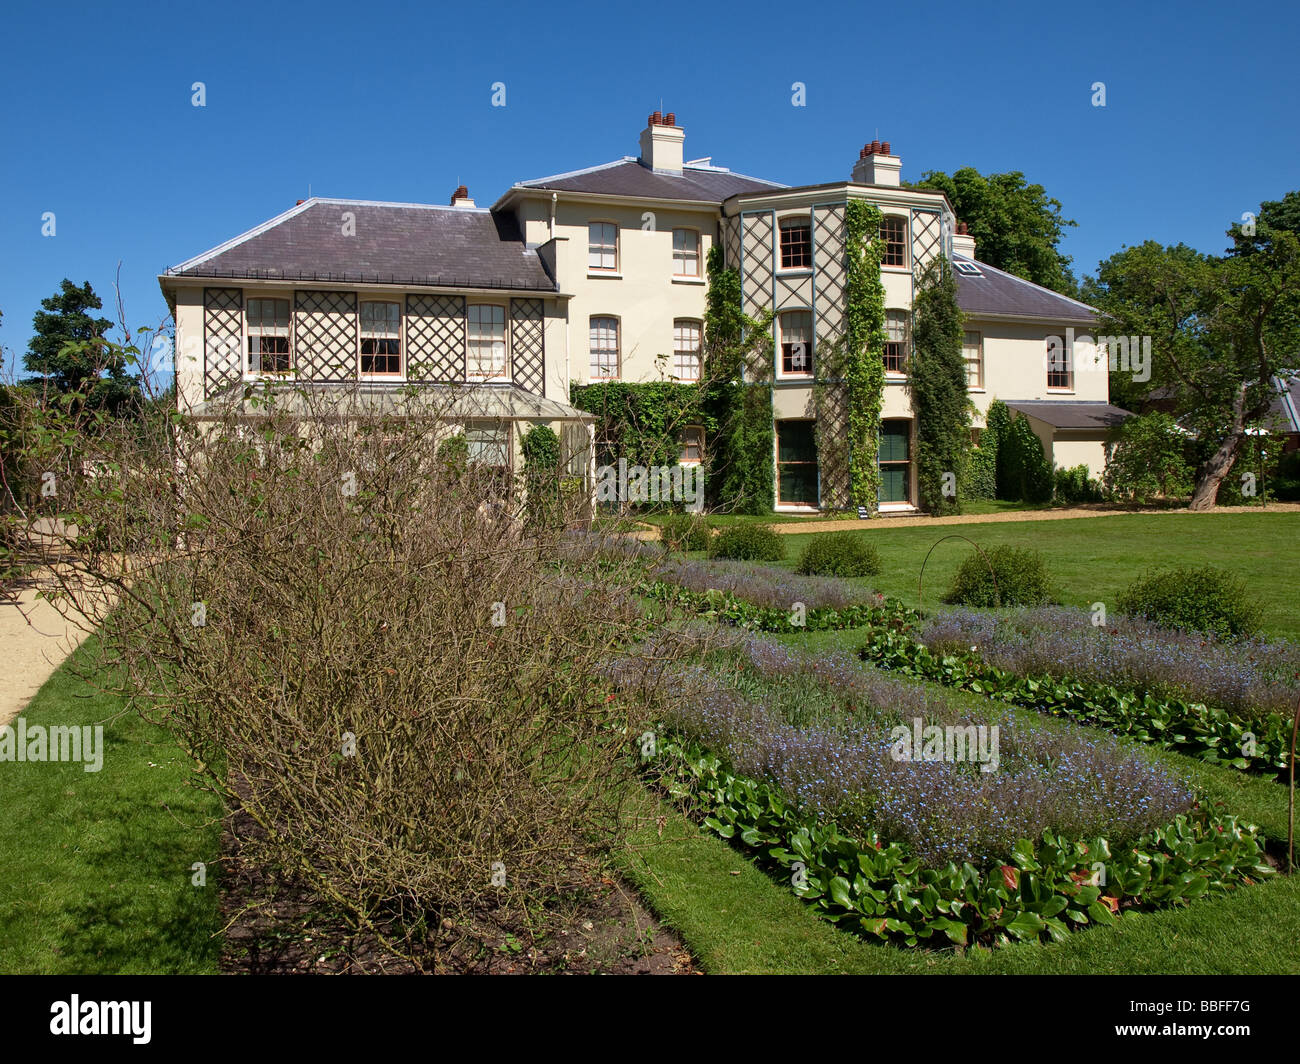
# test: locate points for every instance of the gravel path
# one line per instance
(34, 640)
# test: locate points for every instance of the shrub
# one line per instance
(1286, 479)
(748, 543)
(686, 532)
(839, 554)
(982, 471)
(541, 451)
(1205, 599)
(1074, 485)
(388, 782)
(1148, 458)
(1002, 576)
(1024, 472)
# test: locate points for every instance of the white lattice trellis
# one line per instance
(435, 338)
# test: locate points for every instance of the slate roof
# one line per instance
(394, 243)
(627, 177)
(1286, 407)
(1005, 295)
(1072, 415)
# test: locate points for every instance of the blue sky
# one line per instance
(393, 102)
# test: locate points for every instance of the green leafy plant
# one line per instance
(685, 532)
(749, 543)
(839, 554)
(1075, 485)
(1002, 576)
(1204, 599)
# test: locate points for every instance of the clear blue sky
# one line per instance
(393, 102)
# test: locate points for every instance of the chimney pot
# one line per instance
(300, 203)
(656, 119)
(884, 149)
(875, 147)
(961, 228)
(670, 119)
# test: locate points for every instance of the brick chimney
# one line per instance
(460, 198)
(962, 242)
(877, 165)
(662, 143)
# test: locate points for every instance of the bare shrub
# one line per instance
(360, 644)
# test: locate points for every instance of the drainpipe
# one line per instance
(551, 231)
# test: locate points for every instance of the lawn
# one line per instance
(1093, 559)
(95, 866)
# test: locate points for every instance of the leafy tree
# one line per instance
(1024, 471)
(1222, 328)
(1148, 458)
(69, 350)
(1017, 227)
(938, 383)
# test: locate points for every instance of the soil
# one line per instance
(277, 927)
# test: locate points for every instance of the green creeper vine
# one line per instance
(863, 367)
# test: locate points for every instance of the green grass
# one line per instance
(735, 918)
(1094, 559)
(95, 866)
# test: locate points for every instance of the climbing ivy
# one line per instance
(937, 381)
(736, 397)
(863, 367)
(640, 422)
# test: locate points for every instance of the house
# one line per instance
(598, 274)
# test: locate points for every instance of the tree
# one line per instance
(70, 353)
(1148, 458)
(1017, 227)
(938, 383)
(1221, 329)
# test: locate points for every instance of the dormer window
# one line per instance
(602, 246)
(796, 244)
(268, 336)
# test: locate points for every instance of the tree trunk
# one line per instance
(1212, 472)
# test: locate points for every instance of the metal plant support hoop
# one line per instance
(954, 535)
(1290, 804)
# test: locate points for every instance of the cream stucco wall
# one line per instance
(1015, 365)
(642, 293)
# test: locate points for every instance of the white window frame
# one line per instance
(901, 318)
(1066, 360)
(609, 249)
(473, 343)
(249, 332)
(686, 263)
(977, 361)
(495, 427)
(681, 354)
(592, 364)
(363, 336)
(906, 264)
(798, 374)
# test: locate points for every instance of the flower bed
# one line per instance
(1207, 732)
(911, 850)
(1251, 678)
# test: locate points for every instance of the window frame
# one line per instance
(592, 375)
(903, 220)
(683, 445)
(978, 386)
(904, 463)
(904, 356)
(257, 374)
(698, 253)
(794, 374)
(698, 326)
(374, 375)
(1067, 373)
(781, 466)
(603, 270)
(477, 375)
(793, 221)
